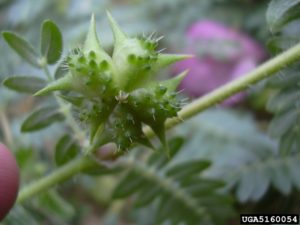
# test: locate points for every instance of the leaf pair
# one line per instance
(50, 52)
(51, 45)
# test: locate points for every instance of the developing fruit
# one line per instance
(119, 93)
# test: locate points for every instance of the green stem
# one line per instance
(46, 70)
(65, 110)
(61, 174)
(265, 70)
(217, 96)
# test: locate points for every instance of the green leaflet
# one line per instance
(51, 42)
(129, 185)
(159, 161)
(66, 149)
(278, 44)
(22, 47)
(283, 122)
(56, 205)
(41, 118)
(24, 84)
(183, 170)
(280, 12)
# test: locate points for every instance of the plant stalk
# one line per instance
(59, 175)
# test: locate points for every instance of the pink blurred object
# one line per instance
(9, 180)
(221, 54)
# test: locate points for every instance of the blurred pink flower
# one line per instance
(221, 54)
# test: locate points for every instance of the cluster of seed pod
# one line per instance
(120, 93)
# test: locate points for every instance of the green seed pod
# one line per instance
(114, 96)
(153, 106)
(124, 130)
(136, 60)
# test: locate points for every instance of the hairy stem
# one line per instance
(265, 70)
(217, 96)
(61, 174)
(65, 110)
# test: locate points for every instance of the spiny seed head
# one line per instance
(160, 90)
(120, 92)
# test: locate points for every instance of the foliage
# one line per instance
(244, 157)
(26, 84)
(178, 191)
(22, 47)
(66, 149)
(285, 102)
(280, 12)
(41, 118)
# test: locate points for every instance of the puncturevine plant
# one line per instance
(116, 95)
(112, 98)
